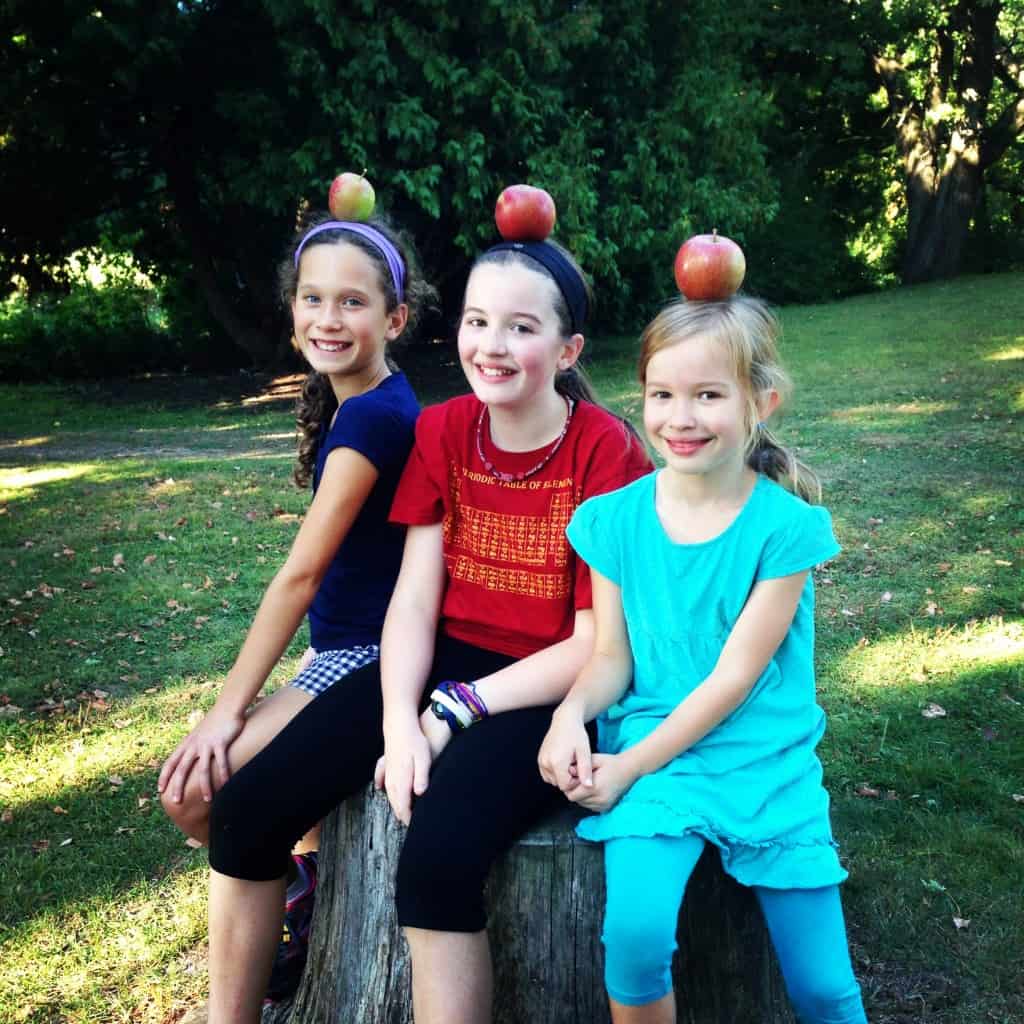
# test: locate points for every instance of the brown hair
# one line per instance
(317, 402)
(748, 331)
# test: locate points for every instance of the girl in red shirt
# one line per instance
(487, 628)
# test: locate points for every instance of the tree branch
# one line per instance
(1003, 133)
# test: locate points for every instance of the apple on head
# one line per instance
(709, 267)
(351, 197)
(524, 214)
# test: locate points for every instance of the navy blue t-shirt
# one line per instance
(349, 607)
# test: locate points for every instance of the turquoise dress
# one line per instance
(752, 786)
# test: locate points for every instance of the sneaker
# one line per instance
(294, 945)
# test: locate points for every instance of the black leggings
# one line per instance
(485, 791)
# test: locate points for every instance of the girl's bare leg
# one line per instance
(451, 977)
(245, 928)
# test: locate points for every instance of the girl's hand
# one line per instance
(612, 777)
(564, 758)
(207, 742)
(403, 770)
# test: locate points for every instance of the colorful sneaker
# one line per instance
(298, 915)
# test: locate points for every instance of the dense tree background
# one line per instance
(845, 145)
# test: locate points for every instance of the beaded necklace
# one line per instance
(516, 477)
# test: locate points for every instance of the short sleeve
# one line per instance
(589, 532)
(617, 458)
(372, 427)
(419, 499)
(800, 542)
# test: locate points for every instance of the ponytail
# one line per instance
(780, 464)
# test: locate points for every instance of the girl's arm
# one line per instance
(347, 480)
(564, 757)
(754, 639)
(407, 651)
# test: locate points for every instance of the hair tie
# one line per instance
(376, 238)
(566, 276)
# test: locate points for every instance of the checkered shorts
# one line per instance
(327, 667)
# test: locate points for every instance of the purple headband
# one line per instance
(394, 261)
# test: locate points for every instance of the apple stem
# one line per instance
(714, 235)
(363, 175)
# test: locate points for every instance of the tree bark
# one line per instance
(545, 902)
(939, 220)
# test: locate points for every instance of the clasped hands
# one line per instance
(594, 781)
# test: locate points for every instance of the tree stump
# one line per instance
(546, 900)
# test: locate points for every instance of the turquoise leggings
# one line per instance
(646, 880)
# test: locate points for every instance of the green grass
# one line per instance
(140, 522)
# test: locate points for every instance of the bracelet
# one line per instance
(457, 704)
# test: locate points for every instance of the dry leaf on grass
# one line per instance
(932, 710)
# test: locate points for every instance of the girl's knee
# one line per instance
(638, 956)
(191, 814)
(243, 844)
(437, 892)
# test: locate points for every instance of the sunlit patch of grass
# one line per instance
(24, 481)
(119, 955)
(1004, 354)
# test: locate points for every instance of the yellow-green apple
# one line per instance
(524, 214)
(709, 267)
(351, 197)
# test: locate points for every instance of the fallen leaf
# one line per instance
(932, 710)
(66, 842)
(59, 810)
(931, 608)
(944, 566)
(115, 780)
(962, 922)
(193, 844)
(887, 597)
(1018, 798)
(40, 845)
(1003, 561)
(149, 560)
(7, 816)
(118, 560)
(142, 801)
(969, 589)
(865, 790)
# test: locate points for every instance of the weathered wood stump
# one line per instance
(546, 899)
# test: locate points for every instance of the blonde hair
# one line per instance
(747, 330)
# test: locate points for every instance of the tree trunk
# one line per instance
(940, 220)
(545, 901)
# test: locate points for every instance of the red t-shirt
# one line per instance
(514, 581)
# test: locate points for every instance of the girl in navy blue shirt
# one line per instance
(351, 291)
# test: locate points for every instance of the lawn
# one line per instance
(139, 523)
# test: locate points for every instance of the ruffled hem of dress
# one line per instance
(777, 863)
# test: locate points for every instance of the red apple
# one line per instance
(524, 214)
(709, 267)
(351, 197)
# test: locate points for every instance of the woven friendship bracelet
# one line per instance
(457, 704)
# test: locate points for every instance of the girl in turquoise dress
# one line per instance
(702, 676)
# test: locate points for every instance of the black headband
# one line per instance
(566, 276)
